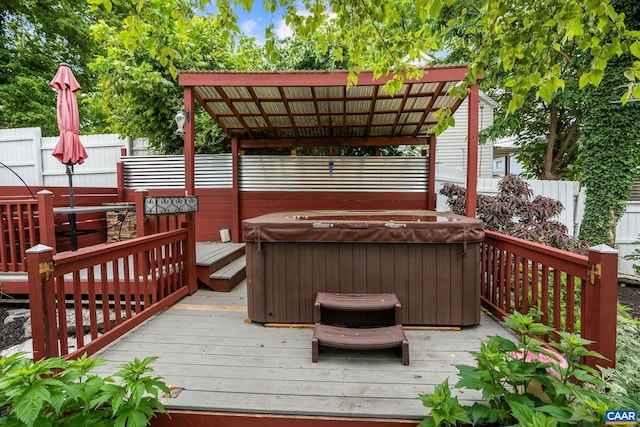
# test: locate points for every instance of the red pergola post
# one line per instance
(235, 195)
(431, 188)
(190, 186)
(189, 143)
(472, 152)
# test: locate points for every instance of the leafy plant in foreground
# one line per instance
(57, 392)
(525, 383)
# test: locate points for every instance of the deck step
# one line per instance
(356, 303)
(229, 276)
(213, 257)
(359, 339)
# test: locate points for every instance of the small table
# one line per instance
(72, 212)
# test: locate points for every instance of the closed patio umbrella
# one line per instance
(69, 149)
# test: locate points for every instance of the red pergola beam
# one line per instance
(310, 79)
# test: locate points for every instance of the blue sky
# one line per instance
(253, 23)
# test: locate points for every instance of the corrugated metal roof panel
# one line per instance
(297, 92)
(280, 121)
(387, 118)
(246, 107)
(302, 107)
(360, 91)
(237, 92)
(209, 92)
(274, 107)
(358, 106)
(424, 88)
(330, 106)
(306, 121)
(220, 107)
(230, 122)
(266, 92)
(388, 104)
(381, 130)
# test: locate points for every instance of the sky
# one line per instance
(254, 23)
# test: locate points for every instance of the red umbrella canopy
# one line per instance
(69, 149)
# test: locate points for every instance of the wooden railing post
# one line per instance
(600, 305)
(46, 220)
(44, 328)
(190, 255)
(141, 222)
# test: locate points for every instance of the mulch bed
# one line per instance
(13, 332)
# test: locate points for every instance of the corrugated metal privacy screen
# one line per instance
(336, 173)
(635, 192)
(282, 173)
(212, 171)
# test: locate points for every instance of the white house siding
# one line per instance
(451, 145)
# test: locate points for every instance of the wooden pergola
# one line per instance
(316, 108)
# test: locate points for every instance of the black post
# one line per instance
(72, 216)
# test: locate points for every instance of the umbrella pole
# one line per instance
(72, 216)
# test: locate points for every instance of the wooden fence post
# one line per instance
(46, 220)
(42, 304)
(599, 309)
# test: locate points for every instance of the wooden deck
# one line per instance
(208, 347)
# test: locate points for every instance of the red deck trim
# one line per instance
(219, 419)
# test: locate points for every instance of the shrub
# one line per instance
(625, 375)
(511, 211)
(55, 391)
(526, 383)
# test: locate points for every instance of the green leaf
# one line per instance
(595, 76)
(31, 402)
(584, 80)
(635, 49)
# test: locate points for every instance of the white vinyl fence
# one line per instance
(28, 154)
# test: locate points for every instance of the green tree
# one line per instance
(35, 37)
(611, 144)
(137, 77)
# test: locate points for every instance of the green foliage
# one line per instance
(56, 392)
(611, 145)
(33, 41)
(138, 86)
(445, 410)
(526, 383)
(528, 42)
(635, 256)
(625, 375)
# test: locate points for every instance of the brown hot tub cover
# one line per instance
(398, 226)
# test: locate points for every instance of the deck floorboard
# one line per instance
(207, 346)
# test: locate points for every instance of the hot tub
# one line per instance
(430, 260)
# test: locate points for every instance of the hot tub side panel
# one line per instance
(437, 284)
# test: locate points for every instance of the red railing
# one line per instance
(572, 293)
(18, 232)
(122, 283)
